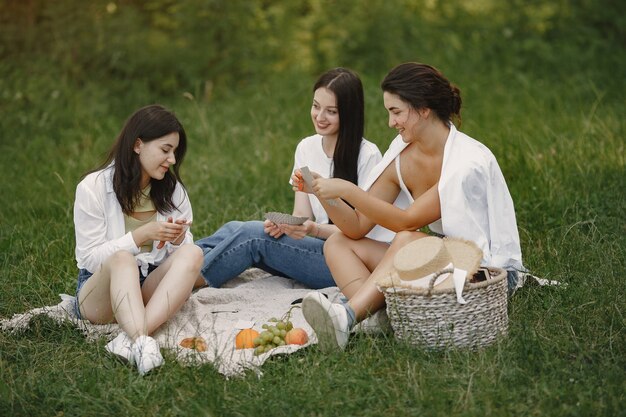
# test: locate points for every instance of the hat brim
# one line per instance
(464, 254)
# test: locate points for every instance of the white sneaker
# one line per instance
(377, 323)
(147, 354)
(328, 320)
(122, 347)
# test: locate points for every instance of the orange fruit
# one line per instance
(196, 343)
(244, 339)
(296, 336)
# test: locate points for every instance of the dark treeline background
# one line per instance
(159, 48)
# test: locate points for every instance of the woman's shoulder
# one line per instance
(309, 141)
(311, 145)
(369, 147)
(180, 194)
(180, 188)
(472, 148)
(97, 179)
(469, 158)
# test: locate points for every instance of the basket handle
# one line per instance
(431, 284)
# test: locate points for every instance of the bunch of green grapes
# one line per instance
(273, 335)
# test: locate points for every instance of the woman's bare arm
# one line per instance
(376, 205)
(355, 223)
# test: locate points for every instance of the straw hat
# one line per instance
(428, 255)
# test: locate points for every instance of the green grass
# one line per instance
(559, 140)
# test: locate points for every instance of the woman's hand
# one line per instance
(293, 231)
(186, 224)
(297, 231)
(168, 231)
(272, 229)
(298, 181)
(331, 188)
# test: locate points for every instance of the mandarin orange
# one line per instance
(244, 339)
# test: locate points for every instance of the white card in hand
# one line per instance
(308, 180)
(307, 177)
(284, 218)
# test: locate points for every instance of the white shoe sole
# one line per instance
(318, 317)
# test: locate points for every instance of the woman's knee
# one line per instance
(232, 225)
(335, 246)
(252, 229)
(120, 258)
(337, 239)
(239, 230)
(192, 255)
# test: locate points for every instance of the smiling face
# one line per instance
(156, 156)
(402, 117)
(324, 112)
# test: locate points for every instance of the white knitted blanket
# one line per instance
(211, 313)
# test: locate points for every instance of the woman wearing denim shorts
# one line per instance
(134, 251)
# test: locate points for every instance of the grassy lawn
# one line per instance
(559, 140)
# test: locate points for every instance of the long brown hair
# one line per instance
(148, 123)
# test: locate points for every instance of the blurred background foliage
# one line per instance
(235, 70)
(164, 47)
(543, 87)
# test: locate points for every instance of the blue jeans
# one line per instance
(236, 246)
(512, 277)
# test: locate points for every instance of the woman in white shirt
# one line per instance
(446, 180)
(337, 150)
(136, 258)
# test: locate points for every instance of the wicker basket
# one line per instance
(433, 319)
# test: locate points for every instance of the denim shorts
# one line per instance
(84, 275)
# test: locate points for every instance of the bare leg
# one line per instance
(352, 261)
(168, 287)
(367, 299)
(113, 294)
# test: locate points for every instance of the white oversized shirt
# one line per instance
(474, 198)
(99, 224)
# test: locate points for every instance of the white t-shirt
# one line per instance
(310, 153)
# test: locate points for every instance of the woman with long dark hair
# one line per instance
(432, 175)
(136, 258)
(337, 150)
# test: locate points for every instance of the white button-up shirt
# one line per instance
(99, 224)
(474, 198)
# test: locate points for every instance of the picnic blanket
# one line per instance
(213, 314)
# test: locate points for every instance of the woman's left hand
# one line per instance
(330, 188)
(295, 231)
(272, 229)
